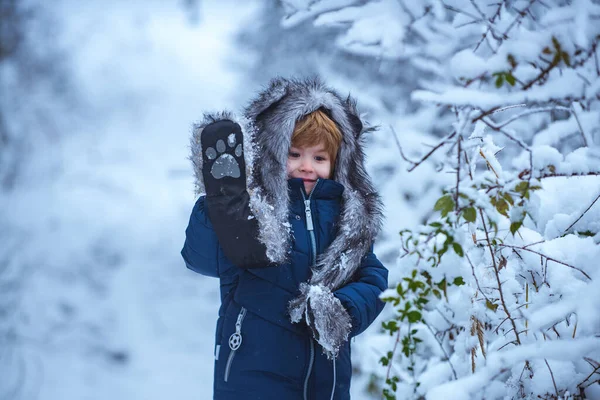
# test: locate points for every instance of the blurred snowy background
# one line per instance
(96, 105)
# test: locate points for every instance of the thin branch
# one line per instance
(529, 112)
(387, 375)
(542, 74)
(476, 280)
(497, 109)
(400, 147)
(519, 18)
(544, 256)
(595, 370)
(433, 150)
(567, 175)
(442, 347)
(457, 176)
(581, 216)
(552, 376)
(585, 142)
(496, 271)
(508, 135)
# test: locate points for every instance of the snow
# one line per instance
(115, 313)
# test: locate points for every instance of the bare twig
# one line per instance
(517, 141)
(544, 256)
(585, 143)
(433, 150)
(529, 112)
(518, 19)
(545, 71)
(495, 110)
(442, 347)
(476, 280)
(387, 375)
(457, 175)
(496, 271)
(567, 175)
(400, 147)
(552, 376)
(594, 371)
(581, 216)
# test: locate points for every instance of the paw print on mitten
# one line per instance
(226, 158)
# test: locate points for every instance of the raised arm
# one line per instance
(201, 248)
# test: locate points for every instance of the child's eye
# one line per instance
(320, 158)
(293, 154)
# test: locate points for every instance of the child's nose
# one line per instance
(306, 165)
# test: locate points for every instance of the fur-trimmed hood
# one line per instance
(268, 125)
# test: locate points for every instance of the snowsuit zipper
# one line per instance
(311, 232)
(313, 258)
(235, 341)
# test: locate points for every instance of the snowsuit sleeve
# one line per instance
(201, 250)
(360, 297)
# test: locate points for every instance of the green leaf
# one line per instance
(499, 81)
(502, 207)
(510, 79)
(442, 284)
(491, 305)
(509, 198)
(414, 316)
(444, 205)
(522, 187)
(514, 227)
(458, 249)
(436, 224)
(458, 281)
(469, 214)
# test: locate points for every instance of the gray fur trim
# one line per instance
(330, 322)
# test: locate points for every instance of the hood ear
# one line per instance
(269, 97)
(353, 118)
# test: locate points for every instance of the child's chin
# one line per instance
(308, 186)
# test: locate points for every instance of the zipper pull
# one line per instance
(235, 340)
(309, 221)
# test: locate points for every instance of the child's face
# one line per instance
(308, 163)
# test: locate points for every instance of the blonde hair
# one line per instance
(317, 128)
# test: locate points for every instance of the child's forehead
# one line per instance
(303, 146)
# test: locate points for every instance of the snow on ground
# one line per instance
(115, 313)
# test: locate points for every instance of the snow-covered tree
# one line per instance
(493, 295)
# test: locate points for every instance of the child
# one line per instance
(287, 224)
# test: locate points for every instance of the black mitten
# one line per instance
(227, 201)
(223, 165)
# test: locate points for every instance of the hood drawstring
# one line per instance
(334, 380)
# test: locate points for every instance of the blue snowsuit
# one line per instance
(277, 359)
